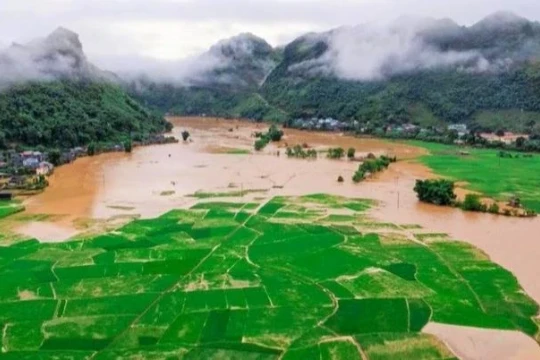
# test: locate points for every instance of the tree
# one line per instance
(358, 176)
(54, 157)
(335, 153)
(438, 192)
(351, 153)
(520, 141)
(128, 146)
(500, 133)
(185, 135)
(274, 133)
(260, 144)
(91, 149)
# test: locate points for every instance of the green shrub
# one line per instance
(494, 208)
(335, 153)
(128, 146)
(473, 202)
(438, 192)
(274, 133)
(299, 152)
(358, 176)
(351, 153)
(185, 135)
(260, 144)
(372, 166)
(92, 149)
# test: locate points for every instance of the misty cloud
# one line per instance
(57, 56)
(372, 52)
(216, 66)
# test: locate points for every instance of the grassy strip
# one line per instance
(8, 208)
(486, 172)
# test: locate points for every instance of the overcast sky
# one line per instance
(173, 29)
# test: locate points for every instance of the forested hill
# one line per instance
(51, 95)
(424, 71)
(72, 113)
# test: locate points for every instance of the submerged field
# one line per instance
(487, 173)
(294, 278)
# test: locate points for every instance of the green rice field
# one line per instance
(8, 208)
(485, 172)
(293, 278)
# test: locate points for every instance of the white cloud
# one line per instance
(172, 29)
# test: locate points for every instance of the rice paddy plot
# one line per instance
(292, 278)
(485, 172)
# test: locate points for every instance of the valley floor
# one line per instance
(254, 265)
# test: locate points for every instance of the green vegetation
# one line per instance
(185, 135)
(372, 166)
(8, 208)
(438, 192)
(486, 173)
(240, 193)
(128, 146)
(65, 114)
(298, 152)
(294, 279)
(238, 152)
(351, 153)
(335, 153)
(273, 134)
(473, 202)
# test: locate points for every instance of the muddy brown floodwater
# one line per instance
(154, 179)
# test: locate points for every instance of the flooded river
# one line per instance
(152, 180)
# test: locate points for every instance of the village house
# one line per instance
(508, 138)
(461, 129)
(31, 159)
(44, 168)
(31, 162)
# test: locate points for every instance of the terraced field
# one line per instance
(295, 278)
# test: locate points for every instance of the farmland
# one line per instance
(293, 278)
(485, 172)
(8, 208)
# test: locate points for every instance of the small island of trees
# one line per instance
(274, 134)
(372, 166)
(441, 192)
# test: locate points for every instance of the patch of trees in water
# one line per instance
(371, 166)
(273, 134)
(441, 192)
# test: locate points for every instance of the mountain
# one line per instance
(51, 95)
(58, 56)
(244, 62)
(419, 70)
(224, 81)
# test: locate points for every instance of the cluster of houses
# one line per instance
(29, 160)
(461, 130)
(315, 123)
(17, 168)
